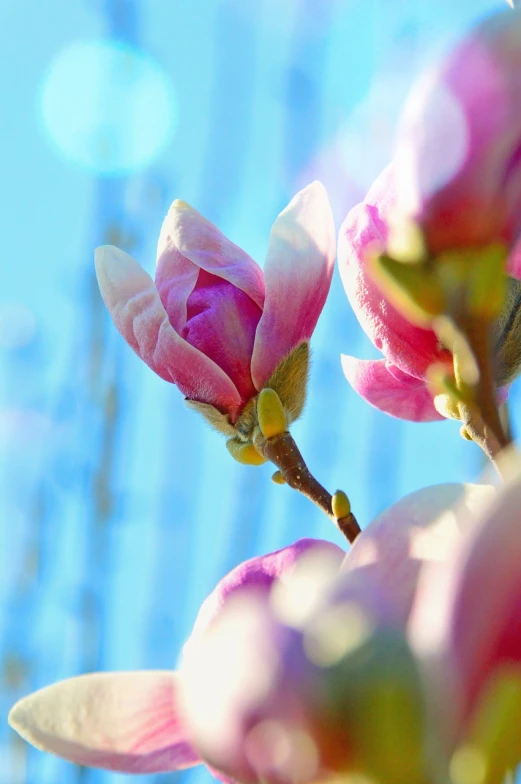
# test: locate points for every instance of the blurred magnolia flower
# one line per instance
(458, 167)
(453, 196)
(319, 679)
(297, 666)
(133, 721)
(213, 322)
(465, 629)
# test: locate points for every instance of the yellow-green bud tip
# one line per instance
(340, 505)
(278, 478)
(244, 453)
(271, 414)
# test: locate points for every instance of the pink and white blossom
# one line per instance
(458, 161)
(259, 616)
(213, 322)
(456, 175)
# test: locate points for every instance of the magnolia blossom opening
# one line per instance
(213, 322)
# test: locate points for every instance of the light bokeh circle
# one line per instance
(108, 107)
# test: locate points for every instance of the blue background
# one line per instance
(119, 509)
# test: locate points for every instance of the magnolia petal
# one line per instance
(421, 528)
(468, 610)
(136, 309)
(205, 246)
(125, 721)
(366, 231)
(387, 388)
(176, 278)
(297, 275)
(221, 776)
(458, 163)
(261, 572)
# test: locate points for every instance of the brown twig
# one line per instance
(283, 452)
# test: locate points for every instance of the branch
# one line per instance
(283, 452)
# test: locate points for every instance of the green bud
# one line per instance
(290, 379)
(340, 505)
(271, 414)
(447, 406)
(244, 452)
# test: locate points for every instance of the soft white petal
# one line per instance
(297, 277)
(126, 721)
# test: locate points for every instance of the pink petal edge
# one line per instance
(479, 635)
(365, 231)
(261, 571)
(124, 721)
(389, 389)
(297, 275)
(136, 309)
(208, 248)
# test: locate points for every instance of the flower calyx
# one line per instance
(278, 404)
(471, 281)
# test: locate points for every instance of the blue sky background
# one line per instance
(119, 509)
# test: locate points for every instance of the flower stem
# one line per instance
(481, 418)
(283, 452)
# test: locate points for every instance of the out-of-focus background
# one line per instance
(119, 509)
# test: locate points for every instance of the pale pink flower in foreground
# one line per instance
(213, 322)
(247, 701)
(465, 627)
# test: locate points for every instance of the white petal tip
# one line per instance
(114, 267)
(178, 205)
(19, 720)
(317, 186)
(180, 209)
(346, 362)
(181, 222)
(315, 190)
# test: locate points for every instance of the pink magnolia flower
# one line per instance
(156, 721)
(397, 384)
(458, 162)
(213, 322)
(457, 175)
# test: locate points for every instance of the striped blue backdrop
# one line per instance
(119, 509)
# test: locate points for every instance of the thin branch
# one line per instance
(283, 452)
